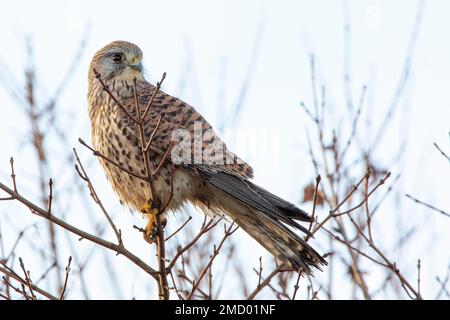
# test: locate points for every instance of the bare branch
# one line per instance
(83, 175)
(227, 232)
(442, 152)
(63, 290)
(27, 279)
(83, 234)
(179, 229)
(428, 205)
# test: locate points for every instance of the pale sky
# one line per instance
(206, 49)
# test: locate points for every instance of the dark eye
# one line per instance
(117, 57)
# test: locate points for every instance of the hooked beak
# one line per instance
(136, 66)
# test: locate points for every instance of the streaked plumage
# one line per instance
(214, 188)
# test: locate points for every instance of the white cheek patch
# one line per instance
(130, 74)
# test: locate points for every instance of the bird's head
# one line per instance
(119, 58)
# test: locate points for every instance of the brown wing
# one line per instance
(180, 115)
(264, 216)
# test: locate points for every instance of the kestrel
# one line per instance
(221, 186)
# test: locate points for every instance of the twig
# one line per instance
(418, 276)
(10, 273)
(22, 292)
(13, 175)
(27, 278)
(63, 290)
(227, 232)
(150, 140)
(50, 196)
(149, 104)
(181, 227)
(266, 281)
(313, 216)
(180, 250)
(428, 205)
(380, 183)
(443, 289)
(83, 175)
(46, 272)
(296, 286)
(35, 209)
(163, 286)
(313, 83)
(98, 154)
(315, 119)
(442, 152)
(404, 77)
(355, 123)
(332, 212)
(175, 287)
(366, 207)
(392, 266)
(260, 271)
(142, 138)
(354, 188)
(108, 91)
(347, 244)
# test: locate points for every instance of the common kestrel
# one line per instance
(218, 186)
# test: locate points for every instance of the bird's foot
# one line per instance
(151, 210)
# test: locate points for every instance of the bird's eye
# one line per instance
(117, 57)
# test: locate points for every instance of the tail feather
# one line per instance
(266, 217)
(243, 190)
(289, 209)
(281, 241)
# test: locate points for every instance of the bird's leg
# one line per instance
(151, 209)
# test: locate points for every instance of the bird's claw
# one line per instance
(151, 210)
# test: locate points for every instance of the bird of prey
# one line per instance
(216, 187)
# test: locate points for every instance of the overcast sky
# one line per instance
(208, 48)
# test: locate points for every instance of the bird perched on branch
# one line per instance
(159, 153)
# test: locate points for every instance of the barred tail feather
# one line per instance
(280, 241)
(265, 217)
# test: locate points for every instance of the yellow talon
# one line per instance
(148, 208)
(150, 211)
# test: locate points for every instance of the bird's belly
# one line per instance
(134, 191)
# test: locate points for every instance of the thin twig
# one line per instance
(180, 250)
(266, 281)
(227, 232)
(380, 183)
(83, 175)
(98, 154)
(355, 123)
(313, 216)
(35, 209)
(108, 91)
(296, 286)
(353, 190)
(13, 175)
(181, 227)
(50, 196)
(418, 276)
(150, 140)
(27, 278)
(63, 290)
(260, 271)
(149, 104)
(428, 205)
(442, 152)
(10, 273)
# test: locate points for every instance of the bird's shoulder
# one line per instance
(179, 115)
